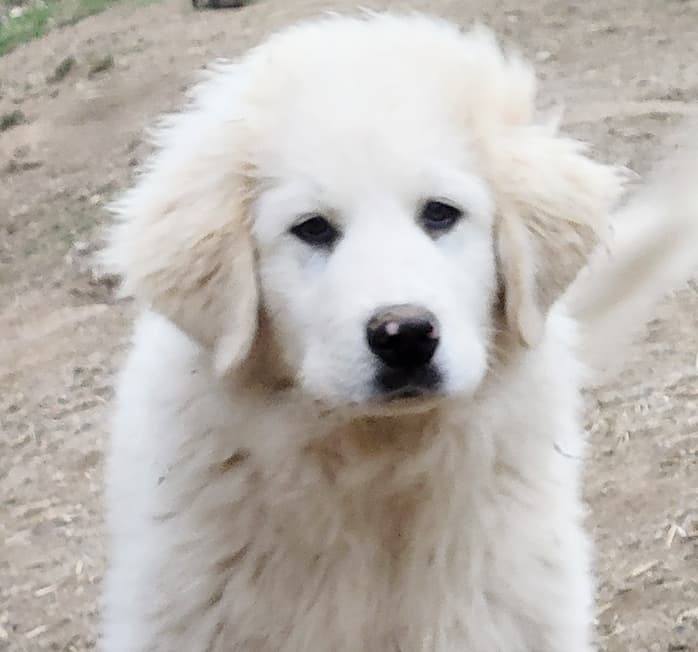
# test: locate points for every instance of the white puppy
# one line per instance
(351, 419)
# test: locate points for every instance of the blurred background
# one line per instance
(79, 82)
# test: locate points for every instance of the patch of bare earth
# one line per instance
(627, 70)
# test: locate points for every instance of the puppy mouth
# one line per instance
(408, 384)
(392, 392)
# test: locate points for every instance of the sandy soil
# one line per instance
(627, 70)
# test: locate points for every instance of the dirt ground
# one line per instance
(627, 71)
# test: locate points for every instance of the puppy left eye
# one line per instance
(316, 230)
(437, 216)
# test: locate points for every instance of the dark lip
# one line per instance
(395, 384)
(408, 393)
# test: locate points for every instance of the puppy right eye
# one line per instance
(438, 216)
(316, 230)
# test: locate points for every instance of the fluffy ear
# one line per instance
(553, 201)
(181, 242)
(554, 206)
(517, 273)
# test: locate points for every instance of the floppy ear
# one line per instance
(554, 205)
(182, 243)
(516, 262)
(553, 202)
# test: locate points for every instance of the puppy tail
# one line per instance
(652, 251)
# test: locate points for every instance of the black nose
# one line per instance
(403, 337)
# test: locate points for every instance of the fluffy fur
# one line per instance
(261, 494)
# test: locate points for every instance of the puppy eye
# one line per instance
(437, 216)
(316, 230)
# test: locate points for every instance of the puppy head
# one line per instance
(368, 186)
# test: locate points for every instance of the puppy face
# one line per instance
(368, 186)
(376, 263)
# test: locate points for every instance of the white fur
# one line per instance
(261, 494)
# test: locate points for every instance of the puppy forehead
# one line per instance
(350, 139)
(369, 90)
(340, 143)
